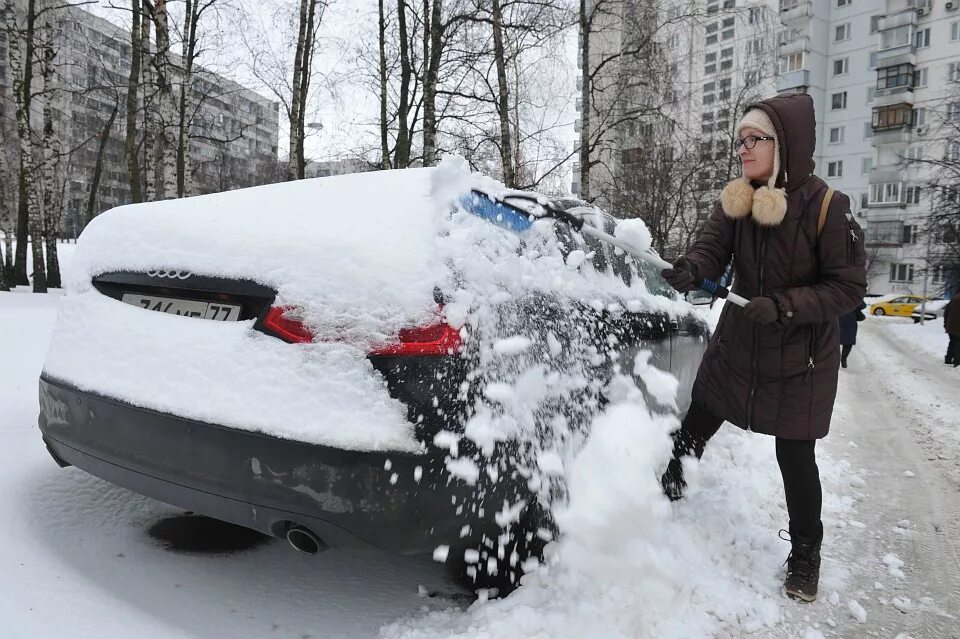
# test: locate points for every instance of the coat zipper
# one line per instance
(811, 344)
(762, 254)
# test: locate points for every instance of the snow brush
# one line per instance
(516, 218)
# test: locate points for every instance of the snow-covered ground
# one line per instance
(77, 557)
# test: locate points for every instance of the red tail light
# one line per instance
(289, 329)
(437, 339)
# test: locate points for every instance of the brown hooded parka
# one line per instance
(780, 378)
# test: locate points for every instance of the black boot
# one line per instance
(672, 480)
(843, 361)
(803, 567)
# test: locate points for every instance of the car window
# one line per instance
(897, 300)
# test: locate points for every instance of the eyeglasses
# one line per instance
(750, 141)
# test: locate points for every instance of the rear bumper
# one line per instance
(251, 479)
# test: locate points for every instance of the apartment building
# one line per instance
(880, 74)
(234, 133)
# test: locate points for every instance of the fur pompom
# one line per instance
(769, 206)
(737, 198)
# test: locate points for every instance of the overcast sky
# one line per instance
(342, 119)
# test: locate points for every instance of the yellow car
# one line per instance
(901, 306)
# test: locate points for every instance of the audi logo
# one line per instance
(172, 275)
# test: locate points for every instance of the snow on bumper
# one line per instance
(226, 373)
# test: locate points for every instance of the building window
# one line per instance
(955, 31)
(727, 35)
(709, 98)
(727, 23)
(726, 53)
(875, 23)
(842, 32)
(936, 273)
(843, 3)
(900, 75)
(866, 165)
(953, 71)
(841, 66)
(914, 153)
(895, 116)
(920, 77)
(754, 15)
(913, 195)
(953, 112)
(792, 62)
(953, 151)
(871, 94)
(893, 38)
(712, 39)
(901, 272)
(710, 57)
(756, 46)
(836, 135)
(922, 38)
(710, 68)
(835, 169)
(920, 118)
(838, 101)
(872, 63)
(885, 193)
(864, 201)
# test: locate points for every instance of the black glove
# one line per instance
(682, 276)
(761, 310)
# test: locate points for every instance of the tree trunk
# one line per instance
(384, 144)
(51, 212)
(189, 54)
(585, 105)
(6, 221)
(306, 71)
(167, 138)
(21, 67)
(503, 98)
(296, 133)
(402, 152)
(431, 57)
(133, 89)
(149, 116)
(98, 167)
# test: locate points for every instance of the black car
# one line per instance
(321, 495)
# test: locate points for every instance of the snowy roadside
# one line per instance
(928, 337)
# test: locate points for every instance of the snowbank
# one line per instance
(928, 337)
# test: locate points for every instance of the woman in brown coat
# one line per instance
(772, 366)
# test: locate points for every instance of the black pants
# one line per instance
(845, 352)
(953, 350)
(797, 460)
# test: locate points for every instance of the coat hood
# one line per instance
(795, 122)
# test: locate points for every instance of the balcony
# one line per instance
(892, 96)
(904, 54)
(796, 44)
(893, 124)
(799, 14)
(793, 80)
(880, 234)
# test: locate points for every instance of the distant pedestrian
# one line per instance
(848, 332)
(951, 324)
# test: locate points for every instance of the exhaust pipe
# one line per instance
(304, 540)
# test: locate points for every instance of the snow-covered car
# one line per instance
(301, 358)
(933, 309)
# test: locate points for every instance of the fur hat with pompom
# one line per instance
(768, 204)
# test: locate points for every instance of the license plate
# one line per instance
(189, 308)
